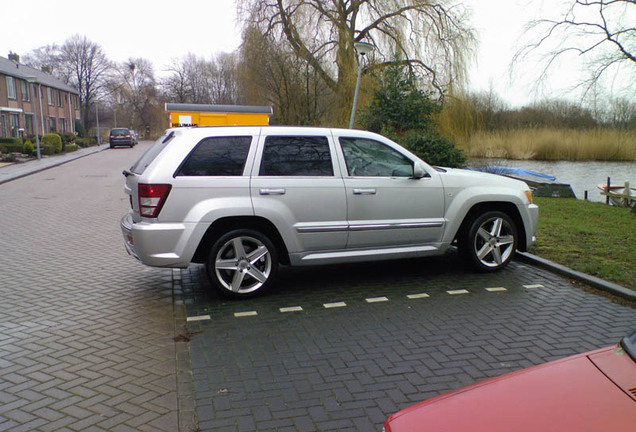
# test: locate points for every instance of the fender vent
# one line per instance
(632, 391)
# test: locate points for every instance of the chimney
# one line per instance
(14, 57)
(46, 69)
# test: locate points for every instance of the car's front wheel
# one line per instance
(242, 263)
(491, 241)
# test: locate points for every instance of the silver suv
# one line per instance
(243, 200)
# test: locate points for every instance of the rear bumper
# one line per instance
(154, 244)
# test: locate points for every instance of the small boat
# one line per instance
(542, 185)
(619, 195)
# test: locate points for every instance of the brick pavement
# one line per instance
(86, 333)
(257, 367)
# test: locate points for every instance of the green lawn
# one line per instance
(592, 238)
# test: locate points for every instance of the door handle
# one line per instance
(280, 191)
(364, 191)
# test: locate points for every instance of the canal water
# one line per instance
(582, 176)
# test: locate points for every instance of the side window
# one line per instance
(296, 156)
(217, 156)
(368, 158)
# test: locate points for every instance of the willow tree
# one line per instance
(429, 36)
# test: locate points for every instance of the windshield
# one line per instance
(629, 345)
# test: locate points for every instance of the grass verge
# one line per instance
(592, 238)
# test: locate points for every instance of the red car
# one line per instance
(593, 392)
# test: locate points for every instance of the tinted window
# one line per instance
(217, 156)
(368, 158)
(146, 159)
(296, 156)
(120, 132)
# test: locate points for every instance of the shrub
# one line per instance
(47, 149)
(435, 150)
(71, 147)
(82, 142)
(28, 147)
(54, 140)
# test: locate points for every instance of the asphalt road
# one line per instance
(92, 340)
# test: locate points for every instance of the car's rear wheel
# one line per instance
(242, 263)
(491, 241)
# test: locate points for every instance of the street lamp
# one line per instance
(34, 80)
(362, 48)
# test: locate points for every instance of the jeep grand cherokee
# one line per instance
(244, 199)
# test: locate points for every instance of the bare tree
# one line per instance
(428, 35)
(135, 88)
(80, 63)
(193, 79)
(272, 74)
(600, 32)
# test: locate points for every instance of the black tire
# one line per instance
(242, 263)
(490, 241)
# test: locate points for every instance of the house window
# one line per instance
(59, 98)
(26, 93)
(11, 92)
(3, 126)
(49, 95)
(14, 119)
(52, 124)
(28, 124)
(62, 124)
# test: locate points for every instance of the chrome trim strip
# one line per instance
(321, 229)
(373, 227)
(367, 227)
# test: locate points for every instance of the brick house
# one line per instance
(57, 107)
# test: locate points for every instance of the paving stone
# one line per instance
(79, 317)
(360, 363)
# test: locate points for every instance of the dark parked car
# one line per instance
(594, 392)
(121, 137)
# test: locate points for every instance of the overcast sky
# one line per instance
(161, 30)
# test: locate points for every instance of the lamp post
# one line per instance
(99, 137)
(362, 48)
(33, 80)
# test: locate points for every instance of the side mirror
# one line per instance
(418, 171)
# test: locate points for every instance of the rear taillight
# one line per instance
(151, 198)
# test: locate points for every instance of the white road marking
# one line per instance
(291, 309)
(418, 296)
(198, 318)
(245, 314)
(496, 289)
(377, 299)
(334, 305)
(457, 292)
(533, 286)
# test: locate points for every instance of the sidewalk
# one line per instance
(18, 170)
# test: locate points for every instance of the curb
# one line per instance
(592, 281)
(51, 162)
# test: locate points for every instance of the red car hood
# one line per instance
(590, 392)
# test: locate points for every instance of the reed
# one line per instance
(552, 144)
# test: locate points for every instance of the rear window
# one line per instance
(146, 159)
(217, 156)
(120, 132)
